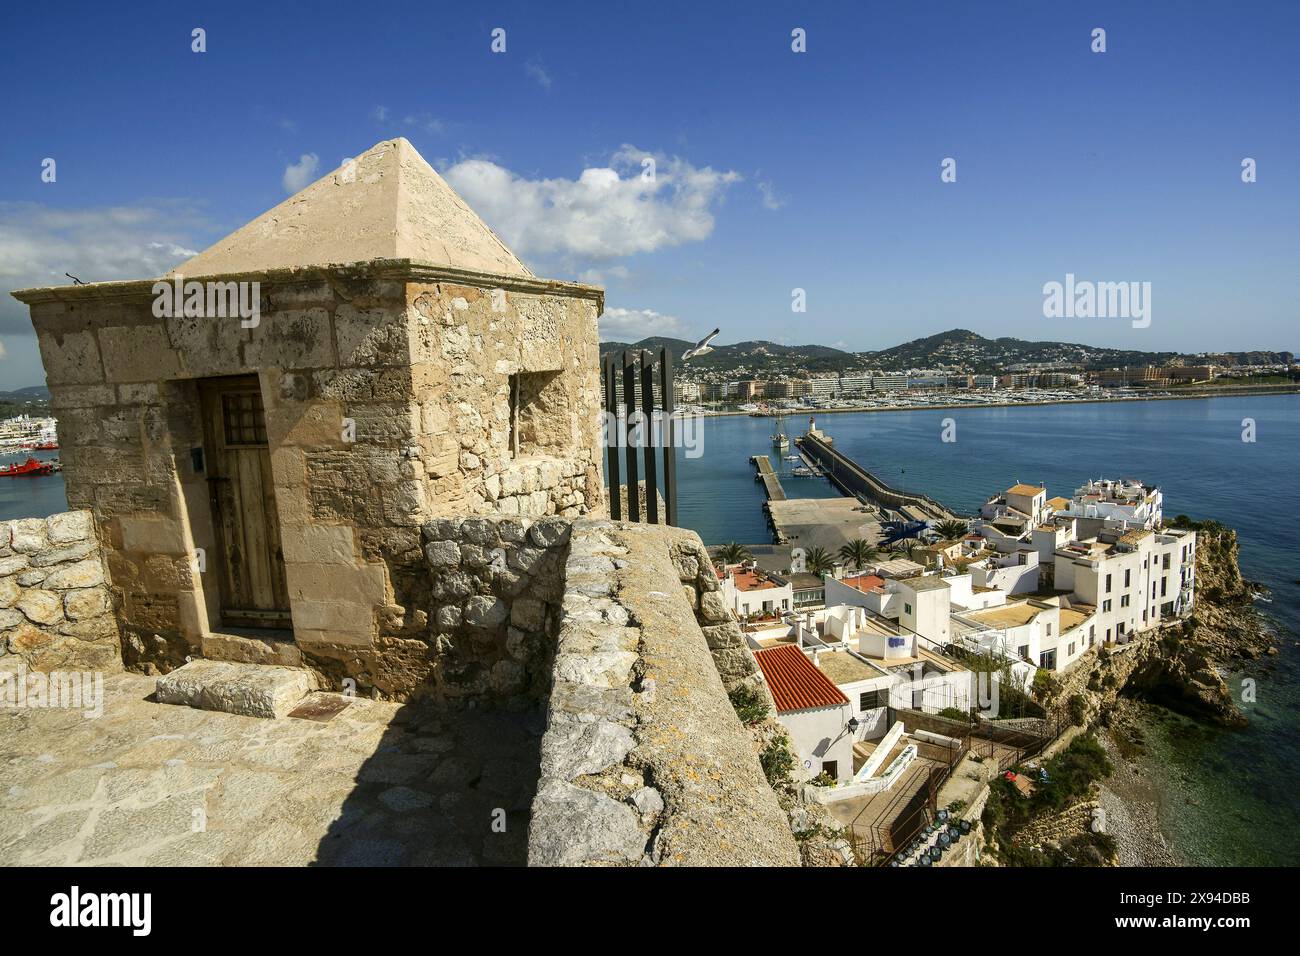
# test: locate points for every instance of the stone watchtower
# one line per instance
(262, 436)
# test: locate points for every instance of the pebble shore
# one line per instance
(1132, 805)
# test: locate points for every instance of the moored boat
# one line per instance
(29, 467)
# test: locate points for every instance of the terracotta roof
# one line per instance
(864, 582)
(747, 580)
(1058, 503)
(795, 682)
(1023, 489)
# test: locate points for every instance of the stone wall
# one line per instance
(731, 653)
(387, 392)
(644, 761)
(55, 609)
(1071, 822)
(494, 589)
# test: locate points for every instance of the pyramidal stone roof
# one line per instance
(388, 203)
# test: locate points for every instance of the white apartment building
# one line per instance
(1125, 504)
(1136, 579)
(824, 386)
(851, 385)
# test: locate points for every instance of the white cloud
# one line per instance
(633, 325)
(424, 121)
(603, 275)
(771, 200)
(299, 175)
(602, 214)
(379, 114)
(534, 68)
(38, 244)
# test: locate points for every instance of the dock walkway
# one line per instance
(765, 474)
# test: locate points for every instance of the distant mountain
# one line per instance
(755, 357)
(957, 348)
(30, 393)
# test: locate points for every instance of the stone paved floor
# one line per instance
(157, 785)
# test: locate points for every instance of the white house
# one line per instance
(812, 709)
(752, 592)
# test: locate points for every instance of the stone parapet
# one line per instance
(55, 608)
(644, 761)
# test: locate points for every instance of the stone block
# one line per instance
(70, 358)
(137, 353)
(528, 613)
(84, 574)
(253, 690)
(84, 603)
(318, 544)
(152, 534)
(69, 527)
(335, 616)
(550, 532)
(29, 535)
(571, 826)
(41, 606)
(576, 749)
(487, 612)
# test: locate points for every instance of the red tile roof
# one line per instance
(747, 580)
(864, 582)
(795, 682)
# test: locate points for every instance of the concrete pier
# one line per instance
(857, 482)
(765, 474)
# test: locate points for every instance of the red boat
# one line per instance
(44, 446)
(30, 467)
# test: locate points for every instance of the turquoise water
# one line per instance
(1231, 797)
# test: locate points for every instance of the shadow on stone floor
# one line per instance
(443, 788)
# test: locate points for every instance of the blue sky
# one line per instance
(776, 170)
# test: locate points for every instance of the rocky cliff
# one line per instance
(1180, 666)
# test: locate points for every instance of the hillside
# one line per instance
(956, 348)
(753, 357)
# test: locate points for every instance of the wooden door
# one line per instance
(249, 563)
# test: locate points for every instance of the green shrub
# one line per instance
(1046, 686)
(955, 713)
(777, 761)
(749, 704)
(1072, 772)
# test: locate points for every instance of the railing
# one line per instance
(878, 841)
(628, 382)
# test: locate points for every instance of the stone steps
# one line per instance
(253, 690)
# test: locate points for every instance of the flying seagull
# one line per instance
(702, 347)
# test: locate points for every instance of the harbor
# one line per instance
(870, 508)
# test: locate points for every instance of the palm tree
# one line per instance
(902, 547)
(951, 530)
(733, 553)
(819, 561)
(859, 553)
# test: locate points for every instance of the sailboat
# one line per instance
(780, 440)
